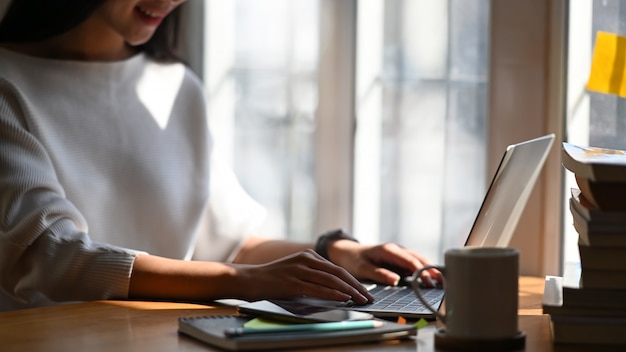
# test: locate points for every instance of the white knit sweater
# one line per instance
(99, 161)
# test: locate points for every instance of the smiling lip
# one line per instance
(149, 17)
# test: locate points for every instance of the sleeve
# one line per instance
(45, 252)
(232, 215)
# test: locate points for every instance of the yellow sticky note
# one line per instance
(260, 323)
(608, 67)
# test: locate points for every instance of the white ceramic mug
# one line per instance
(481, 292)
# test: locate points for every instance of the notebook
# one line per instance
(494, 225)
(212, 330)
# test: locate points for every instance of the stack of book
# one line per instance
(588, 305)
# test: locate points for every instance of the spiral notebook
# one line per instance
(212, 330)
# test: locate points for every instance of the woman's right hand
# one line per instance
(302, 274)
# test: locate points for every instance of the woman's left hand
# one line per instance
(385, 263)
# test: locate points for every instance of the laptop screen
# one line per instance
(508, 192)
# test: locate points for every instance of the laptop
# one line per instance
(494, 225)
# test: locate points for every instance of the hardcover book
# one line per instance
(603, 195)
(580, 302)
(595, 164)
(589, 330)
(593, 214)
(597, 233)
(565, 293)
(603, 279)
(600, 174)
(612, 258)
(580, 324)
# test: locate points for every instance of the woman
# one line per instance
(109, 184)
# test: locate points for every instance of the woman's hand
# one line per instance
(384, 263)
(304, 273)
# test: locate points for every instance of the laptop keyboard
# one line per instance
(402, 299)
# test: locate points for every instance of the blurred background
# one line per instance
(389, 117)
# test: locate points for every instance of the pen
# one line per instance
(331, 326)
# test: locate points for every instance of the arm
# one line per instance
(257, 250)
(44, 249)
(380, 263)
(384, 263)
(302, 273)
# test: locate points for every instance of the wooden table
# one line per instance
(152, 326)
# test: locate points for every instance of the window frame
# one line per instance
(526, 100)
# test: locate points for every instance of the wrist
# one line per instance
(325, 240)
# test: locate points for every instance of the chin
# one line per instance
(135, 43)
(139, 39)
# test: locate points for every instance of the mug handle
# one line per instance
(418, 291)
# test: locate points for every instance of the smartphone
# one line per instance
(294, 311)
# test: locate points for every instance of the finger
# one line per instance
(300, 280)
(381, 275)
(340, 278)
(431, 276)
(402, 258)
(427, 279)
(331, 275)
(392, 255)
(328, 286)
(324, 281)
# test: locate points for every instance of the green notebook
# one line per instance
(212, 330)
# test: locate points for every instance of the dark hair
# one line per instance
(37, 20)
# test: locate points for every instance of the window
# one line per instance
(428, 177)
(419, 148)
(376, 115)
(261, 74)
(594, 119)
(275, 74)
